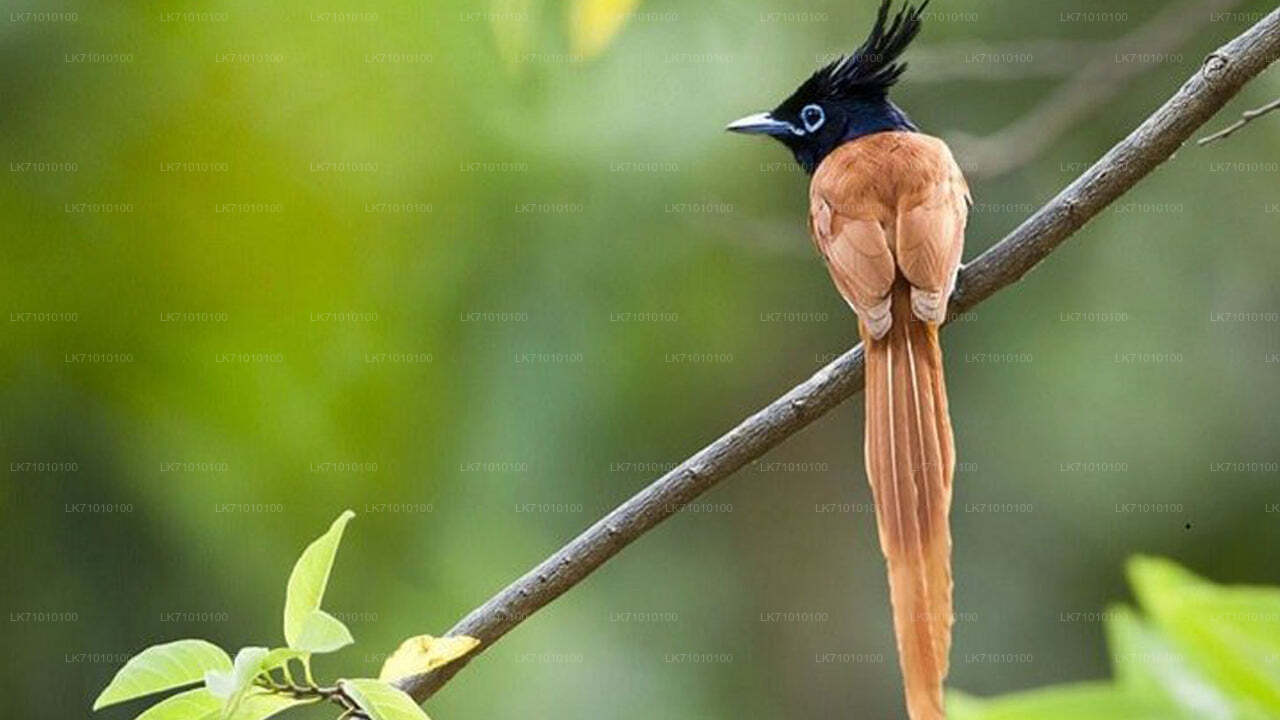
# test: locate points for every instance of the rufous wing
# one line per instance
(859, 260)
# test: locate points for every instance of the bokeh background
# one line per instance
(481, 271)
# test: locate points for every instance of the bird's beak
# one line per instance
(759, 124)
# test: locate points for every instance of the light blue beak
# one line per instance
(759, 124)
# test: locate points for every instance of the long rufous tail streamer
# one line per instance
(910, 459)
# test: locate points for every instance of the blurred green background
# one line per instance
(481, 271)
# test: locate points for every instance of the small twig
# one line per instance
(1219, 79)
(271, 681)
(351, 707)
(334, 694)
(1246, 117)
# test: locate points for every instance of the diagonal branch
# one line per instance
(1223, 74)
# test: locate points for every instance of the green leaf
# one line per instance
(1155, 578)
(1147, 663)
(1229, 635)
(322, 633)
(260, 704)
(1094, 701)
(247, 666)
(309, 577)
(1209, 652)
(233, 686)
(198, 704)
(163, 667)
(280, 656)
(424, 653)
(381, 701)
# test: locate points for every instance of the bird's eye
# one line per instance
(812, 116)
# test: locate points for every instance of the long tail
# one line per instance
(910, 459)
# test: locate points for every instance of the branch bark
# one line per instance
(1221, 76)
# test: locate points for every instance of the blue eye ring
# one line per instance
(812, 116)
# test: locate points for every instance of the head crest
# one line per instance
(873, 68)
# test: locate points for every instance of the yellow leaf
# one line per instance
(424, 653)
(593, 24)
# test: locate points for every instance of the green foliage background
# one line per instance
(566, 196)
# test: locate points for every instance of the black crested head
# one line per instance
(873, 68)
(846, 99)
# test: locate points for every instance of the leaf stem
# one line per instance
(306, 666)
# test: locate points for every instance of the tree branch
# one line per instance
(1102, 78)
(1246, 117)
(1222, 75)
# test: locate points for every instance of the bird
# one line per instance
(888, 206)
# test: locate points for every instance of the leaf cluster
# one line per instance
(259, 683)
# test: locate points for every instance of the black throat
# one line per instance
(854, 119)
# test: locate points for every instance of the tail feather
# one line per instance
(910, 460)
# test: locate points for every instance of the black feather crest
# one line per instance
(873, 68)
